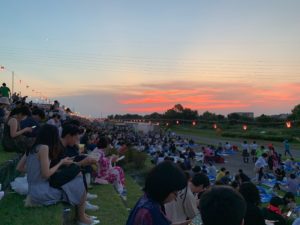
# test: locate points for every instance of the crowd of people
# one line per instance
(63, 155)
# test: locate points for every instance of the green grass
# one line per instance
(112, 209)
(134, 191)
(216, 134)
(13, 212)
(5, 156)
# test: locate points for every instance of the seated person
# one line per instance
(36, 163)
(70, 145)
(292, 184)
(279, 173)
(273, 211)
(222, 205)
(228, 146)
(106, 173)
(226, 179)
(4, 103)
(185, 207)
(289, 202)
(243, 176)
(34, 121)
(212, 171)
(251, 195)
(220, 174)
(13, 139)
(161, 186)
(55, 120)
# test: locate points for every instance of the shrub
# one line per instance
(136, 158)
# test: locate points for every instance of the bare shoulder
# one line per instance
(42, 148)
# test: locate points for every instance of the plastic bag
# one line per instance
(20, 185)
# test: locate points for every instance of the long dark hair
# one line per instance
(250, 192)
(48, 135)
(164, 179)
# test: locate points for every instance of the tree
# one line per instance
(189, 114)
(296, 112)
(178, 108)
(264, 119)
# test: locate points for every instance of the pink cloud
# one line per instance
(219, 97)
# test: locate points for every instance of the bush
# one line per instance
(252, 135)
(136, 158)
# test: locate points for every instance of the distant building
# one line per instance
(283, 116)
(246, 114)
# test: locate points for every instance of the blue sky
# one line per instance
(103, 56)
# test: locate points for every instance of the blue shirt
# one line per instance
(30, 122)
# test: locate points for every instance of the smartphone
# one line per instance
(122, 157)
(33, 127)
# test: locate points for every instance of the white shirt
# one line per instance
(254, 146)
(228, 146)
(260, 163)
(245, 147)
(184, 206)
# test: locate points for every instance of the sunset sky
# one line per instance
(138, 56)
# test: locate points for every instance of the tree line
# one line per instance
(179, 112)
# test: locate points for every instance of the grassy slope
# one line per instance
(112, 210)
(5, 156)
(13, 212)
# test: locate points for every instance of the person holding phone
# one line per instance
(13, 135)
(106, 172)
(273, 211)
(36, 163)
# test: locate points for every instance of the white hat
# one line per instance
(4, 101)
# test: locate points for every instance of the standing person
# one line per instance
(253, 151)
(161, 186)
(260, 164)
(5, 91)
(253, 214)
(260, 151)
(245, 152)
(222, 206)
(287, 148)
(186, 204)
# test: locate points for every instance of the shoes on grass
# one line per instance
(91, 196)
(90, 207)
(94, 222)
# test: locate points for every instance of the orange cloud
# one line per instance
(219, 97)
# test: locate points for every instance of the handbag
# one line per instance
(64, 175)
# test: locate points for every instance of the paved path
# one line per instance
(234, 162)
